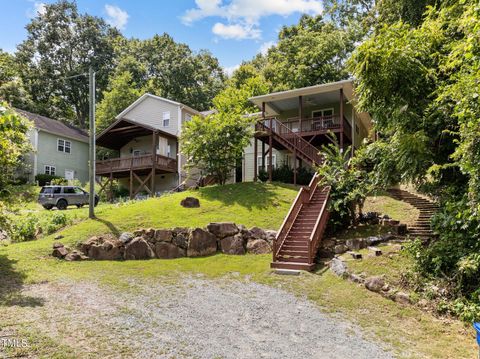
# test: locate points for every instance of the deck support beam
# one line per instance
(154, 160)
(255, 154)
(341, 119)
(270, 145)
(300, 112)
(295, 166)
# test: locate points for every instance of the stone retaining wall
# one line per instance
(225, 237)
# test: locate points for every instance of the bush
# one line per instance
(284, 174)
(44, 179)
(23, 228)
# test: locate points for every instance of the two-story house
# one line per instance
(294, 125)
(145, 136)
(59, 149)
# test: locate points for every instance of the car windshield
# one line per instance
(46, 190)
(78, 190)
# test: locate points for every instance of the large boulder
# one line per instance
(356, 244)
(138, 248)
(103, 248)
(166, 250)
(190, 202)
(126, 237)
(375, 283)
(75, 256)
(257, 233)
(180, 237)
(258, 246)
(233, 244)
(223, 229)
(163, 235)
(201, 243)
(270, 235)
(59, 250)
(338, 267)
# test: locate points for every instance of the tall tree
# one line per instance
(11, 86)
(60, 45)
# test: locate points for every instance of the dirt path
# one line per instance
(194, 318)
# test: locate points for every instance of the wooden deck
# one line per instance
(121, 167)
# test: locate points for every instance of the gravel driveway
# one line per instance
(193, 318)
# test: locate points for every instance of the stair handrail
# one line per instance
(299, 142)
(303, 196)
(319, 228)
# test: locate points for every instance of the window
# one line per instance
(49, 170)
(325, 112)
(79, 190)
(166, 118)
(57, 189)
(69, 190)
(46, 190)
(64, 146)
(136, 153)
(267, 164)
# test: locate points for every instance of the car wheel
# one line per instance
(62, 204)
(48, 207)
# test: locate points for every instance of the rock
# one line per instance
(58, 236)
(356, 278)
(139, 233)
(190, 202)
(125, 237)
(356, 244)
(166, 250)
(402, 298)
(257, 233)
(163, 235)
(401, 229)
(223, 229)
(180, 239)
(138, 248)
(233, 244)
(149, 233)
(271, 235)
(375, 284)
(338, 267)
(201, 243)
(374, 240)
(74, 256)
(242, 228)
(258, 246)
(103, 248)
(340, 249)
(59, 250)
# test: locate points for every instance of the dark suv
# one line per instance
(63, 196)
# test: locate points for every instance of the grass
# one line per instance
(398, 210)
(412, 333)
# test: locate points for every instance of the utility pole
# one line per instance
(91, 94)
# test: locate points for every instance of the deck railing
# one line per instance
(135, 162)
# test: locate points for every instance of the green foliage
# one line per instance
(284, 174)
(44, 179)
(59, 45)
(349, 184)
(213, 144)
(14, 143)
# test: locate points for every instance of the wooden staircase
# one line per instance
(290, 140)
(299, 237)
(421, 228)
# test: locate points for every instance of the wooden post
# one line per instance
(255, 154)
(295, 166)
(263, 156)
(154, 161)
(110, 191)
(131, 177)
(341, 119)
(270, 144)
(300, 112)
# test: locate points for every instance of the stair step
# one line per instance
(292, 259)
(292, 265)
(296, 253)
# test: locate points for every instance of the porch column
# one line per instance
(263, 156)
(255, 154)
(270, 150)
(295, 166)
(300, 112)
(154, 160)
(341, 119)
(353, 131)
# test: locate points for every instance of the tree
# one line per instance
(14, 142)
(312, 52)
(11, 86)
(122, 91)
(62, 43)
(213, 144)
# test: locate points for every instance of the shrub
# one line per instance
(44, 179)
(284, 174)
(23, 228)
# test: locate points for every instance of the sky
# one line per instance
(232, 30)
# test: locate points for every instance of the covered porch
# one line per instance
(140, 168)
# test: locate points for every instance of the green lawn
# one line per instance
(412, 333)
(399, 210)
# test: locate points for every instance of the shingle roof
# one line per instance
(54, 126)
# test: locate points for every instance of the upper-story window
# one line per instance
(166, 118)
(325, 112)
(64, 145)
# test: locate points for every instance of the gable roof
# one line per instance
(55, 127)
(148, 95)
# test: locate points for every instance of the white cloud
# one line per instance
(266, 46)
(236, 31)
(116, 16)
(229, 70)
(39, 8)
(243, 16)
